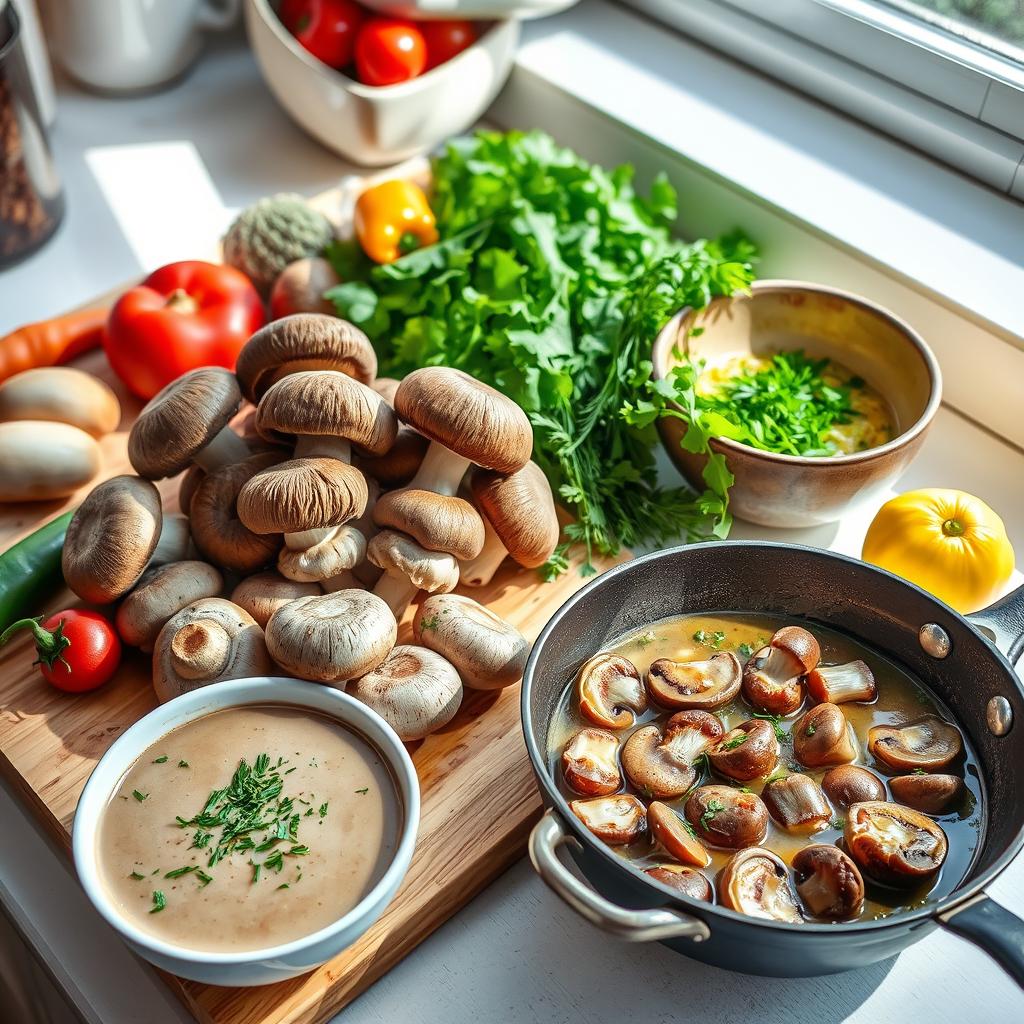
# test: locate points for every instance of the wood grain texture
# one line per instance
(479, 797)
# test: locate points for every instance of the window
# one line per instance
(946, 76)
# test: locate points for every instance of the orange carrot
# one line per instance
(51, 342)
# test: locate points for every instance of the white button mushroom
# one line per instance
(261, 595)
(409, 568)
(61, 394)
(41, 461)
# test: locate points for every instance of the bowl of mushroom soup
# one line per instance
(245, 833)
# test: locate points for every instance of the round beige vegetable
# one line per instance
(63, 395)
(261, 595)
(41, 461)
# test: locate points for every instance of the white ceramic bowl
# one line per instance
(385, 124)
(264, 966)
(427, 9)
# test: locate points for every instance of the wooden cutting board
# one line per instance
(479, 796)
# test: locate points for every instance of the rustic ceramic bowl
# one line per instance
(790, 490)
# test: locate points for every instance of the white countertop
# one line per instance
(153, 179)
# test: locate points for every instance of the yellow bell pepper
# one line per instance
(394, 218)
(948, 542)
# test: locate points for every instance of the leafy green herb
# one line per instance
(920, 771)
(550, 281)
(136, 876)
(745, 650)
(178, 872)
(161, 760)
(204, 878)
(299, 851)
(780, 734)
(736, 741)
(365, 789)
(183, 764)
(838, 823)
(713, 640)
(644, 639)
(712, 808)
(283, 885)
(810, 730)
(688, 827)
(430, 622)
(746, 789)
(323, 810)
(159, 902)
(275, 862)
(139, 796)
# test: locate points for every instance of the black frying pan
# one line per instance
(967, 665)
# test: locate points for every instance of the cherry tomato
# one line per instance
(77, 649)
(389, 51)
(326, 28)
(446, 39)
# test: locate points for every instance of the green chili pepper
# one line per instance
(30, 570)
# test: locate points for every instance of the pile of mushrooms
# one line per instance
(318, 503)
(656, 769)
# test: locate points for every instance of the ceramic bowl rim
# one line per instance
(662, 348)
(204, 701)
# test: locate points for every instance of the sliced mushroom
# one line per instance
(589, 763)
(261, 595)
(773, 677)
(927, 743)
(660, 763)
(756, 882)
(676, 835)
(617, 820)
(332, 638)
(489, 652)
(894, 844)
(610, 691)
(61, 394)
(838, 684)
(207, 642)
(161, 592)
(828, 882)
(797, 803)
(41, 461)
(932, 794)
(723, 816)
(688, 881)
(409, 568)
(850, 784)
(822, 736)
(749, 751)
(695, 684)
(414, 690)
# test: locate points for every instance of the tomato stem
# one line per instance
(953, 528)
(50, 644)
(181, 302)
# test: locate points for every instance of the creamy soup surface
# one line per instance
(901, 698)
(249, 828)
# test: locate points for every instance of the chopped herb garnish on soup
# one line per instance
(139, 796)
(713, 639)
(183, 764)
(159, 901)
(160, 760)
(136, 876)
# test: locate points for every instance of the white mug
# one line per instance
(124, 46)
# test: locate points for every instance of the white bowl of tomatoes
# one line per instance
(377, 89)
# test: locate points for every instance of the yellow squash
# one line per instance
(948, 542)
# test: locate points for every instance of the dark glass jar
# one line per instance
(31, 199)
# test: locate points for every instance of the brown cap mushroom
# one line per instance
(822, 737)
(303, 341)
(437, 522)
(723, 816)
(332, 638)
(300, 287)
(850, 784)
(838, 684)
(488, 652)
(747, 752)
(160, 593)
(115, 534)
(261, 595)
(41, 461)
(828, 882)
(207, 642)
(399, 464)
(589, 764)
(932, 794)
(213, 514)
(661, 763)
(695, 684)
(797, 803)
(773, 677)
(466, 421)
(188, 422)
(618, 820)
(756, 882)
(409, 568)
(928, 743)
(610, 691)
(414, 690)
(189, 484)
(326, 562)
(684, 880)
(61, 394)
(521, 521)
(676, 836)
(323, 412)
(894, 844)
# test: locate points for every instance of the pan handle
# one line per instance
(992, 928)
(632, 925)
(1004, 623)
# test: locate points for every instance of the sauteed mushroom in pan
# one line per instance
(828, 882)
(589, 762)
(615, 819)
(723, 816)
(894, 844)
(773, 678)
(695, 684)
(822, 737)
(689, 881)
(660, 762)
(932, 794)
(756, 882)
(928, 743)
(746, 752)
(610, 691)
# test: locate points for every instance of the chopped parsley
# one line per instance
(161, 760)
(183, 764)
(430, 622)
(365, 789)
(714, 640)
(178, 872)
(780, 734)
(745, 650)
(139, 796)
(159, 901)
(838, 823)
(136, 876)
(713, 807)
(810, 730)
(736, 741)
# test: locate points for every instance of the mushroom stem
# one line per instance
(323, 446)
(441, 470)
(479, 571)
(308, 538)
(200, 649)
(343, 581)
(397, 592)
(225, 449)
(174, 541)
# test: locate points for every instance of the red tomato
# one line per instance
(326, 28)
(182, 316)
(446, 39)
(389, 51)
